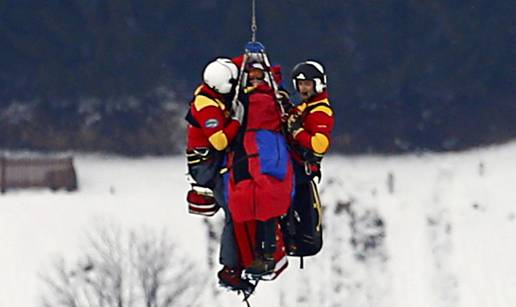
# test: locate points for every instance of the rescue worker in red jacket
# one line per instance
(309, 126)
(213, 124)
(311, 122)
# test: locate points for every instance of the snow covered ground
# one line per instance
(435, 230)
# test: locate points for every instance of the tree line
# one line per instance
(117, 75)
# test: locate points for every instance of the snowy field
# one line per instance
(435, 230)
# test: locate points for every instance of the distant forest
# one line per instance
(117, 75)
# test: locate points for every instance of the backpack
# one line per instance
(302, 226)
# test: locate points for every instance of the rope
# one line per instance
(248, 294)
(254, 27)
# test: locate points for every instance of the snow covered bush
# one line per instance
(117, 268)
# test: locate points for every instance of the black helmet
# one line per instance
(310, 70)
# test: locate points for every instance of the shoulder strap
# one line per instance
(191, 120)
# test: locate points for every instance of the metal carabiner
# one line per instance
(308, 169)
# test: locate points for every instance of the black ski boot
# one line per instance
(231, 279)
(261, 266)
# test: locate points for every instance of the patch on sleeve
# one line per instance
(211, 123)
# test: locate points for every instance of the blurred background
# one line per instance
(116, 76)
(111, 80)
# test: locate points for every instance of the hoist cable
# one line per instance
(254, 26)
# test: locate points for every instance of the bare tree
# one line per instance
(117, 269)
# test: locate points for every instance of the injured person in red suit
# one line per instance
(260, 179)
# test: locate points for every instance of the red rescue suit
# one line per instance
(261, 179)
(261, 176)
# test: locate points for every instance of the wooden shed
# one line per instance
(29, 171)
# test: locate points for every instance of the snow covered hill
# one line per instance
(435, 230)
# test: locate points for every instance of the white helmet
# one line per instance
(221, 75)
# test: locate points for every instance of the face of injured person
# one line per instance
(256, 76)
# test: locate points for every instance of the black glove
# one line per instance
(284, 99)
(294, 123)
